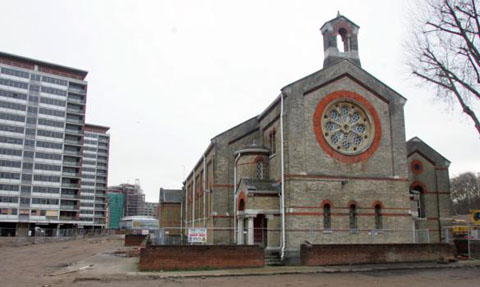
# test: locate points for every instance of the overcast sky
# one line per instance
(167, 76)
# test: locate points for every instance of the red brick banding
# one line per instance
(168, 257)
(317, 126)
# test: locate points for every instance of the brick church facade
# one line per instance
(326, 162)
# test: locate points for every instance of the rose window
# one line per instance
(347, 127)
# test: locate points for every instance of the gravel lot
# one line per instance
(32, 265)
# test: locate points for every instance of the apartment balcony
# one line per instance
(74, 121)
(69, 196)
(103, 140)
(73, 142)
(68, 207)
(69, 218)
(75, 153)
(75, 110)
(74, 131)
(70, 185)
(25, 193)
(23, 217)
(75, 100)
(71, 163)
(76, 90)
(71, 174)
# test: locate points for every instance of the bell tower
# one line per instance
(340, 41)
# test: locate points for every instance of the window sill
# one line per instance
(354, 231)
(327, 232)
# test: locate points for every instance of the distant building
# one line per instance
(150, 209)
(170, 210)
(93, 198)
(43, 181)
(134, 198)
(116, 202)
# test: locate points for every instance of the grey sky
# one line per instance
(167, 76)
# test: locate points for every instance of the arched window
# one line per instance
(353, 217)
(342, 40)
(327, 217)
(378, 217)
(259, 169)
(241, 205)
(419, 195)
(273, 142)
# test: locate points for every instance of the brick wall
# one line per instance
(134, 239)
(372, 253)
(200, 257)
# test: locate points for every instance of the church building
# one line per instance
(326, 162)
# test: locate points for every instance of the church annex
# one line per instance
(326, 162)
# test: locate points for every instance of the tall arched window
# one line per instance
(353, 217)
(241, 205)
(420, 195)
(378, 217)
(327, 217)
(260, 169)
(273, 142)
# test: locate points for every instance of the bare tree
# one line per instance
(445, 50)
(465, 192)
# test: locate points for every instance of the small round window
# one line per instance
(347, 127)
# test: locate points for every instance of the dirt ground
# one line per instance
(34, 265)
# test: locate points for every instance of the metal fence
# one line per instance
(466, 241)
(271, 237)
(54, 232)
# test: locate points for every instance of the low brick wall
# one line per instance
(313, 255)
(168, 257)
(134, 239)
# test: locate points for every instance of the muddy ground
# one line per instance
(57, 264)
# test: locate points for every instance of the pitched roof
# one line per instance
(340, 17)
(415, 144)
(261, 185)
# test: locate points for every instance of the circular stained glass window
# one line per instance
(347, 127)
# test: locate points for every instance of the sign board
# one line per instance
(197, 235)
(144, 231)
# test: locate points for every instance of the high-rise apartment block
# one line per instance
(94, 175)
(49, 175)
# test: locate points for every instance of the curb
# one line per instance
(326, 270)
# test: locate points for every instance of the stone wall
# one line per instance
(155, 258)
(313, 255)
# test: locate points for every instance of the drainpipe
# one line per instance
(204, 188)
(181, 220)
(193, 198)
(186, 201)
(235, 198)
(282, 203)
